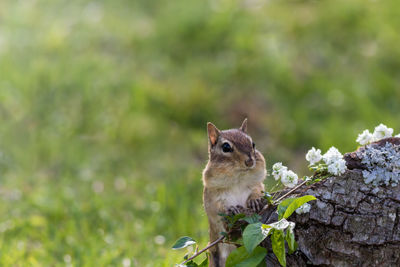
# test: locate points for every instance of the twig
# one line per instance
(204, 249)
(283, 196)
(291, 191)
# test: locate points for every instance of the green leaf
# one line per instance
(254, 234)
(255, 218)
(232, 219)
(183, 242)
(191, 264)
(283, 206)
(241, 258)
(298, 202)
(278, 246)
(238, 217)
(204, 263)
(290, 240)
(268, 197)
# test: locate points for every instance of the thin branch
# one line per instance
(283, 196)
(291, 191)
(204, 249)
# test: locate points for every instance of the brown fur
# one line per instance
(229, 181)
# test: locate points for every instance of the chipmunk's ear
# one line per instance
(243, 128)
(213, 133)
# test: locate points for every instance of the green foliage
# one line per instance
(183, 242)
(252, 219)
(297, 203)
(282, 207)
(289, 205)
(240, 257)
(192, 263)
(278, 245)
(290, 240)
(253, 235)
(232, 219)
(280, 231)
(268, 197)
(204, 263)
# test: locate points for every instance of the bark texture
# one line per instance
(351, 223)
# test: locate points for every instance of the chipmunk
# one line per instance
(233, 179)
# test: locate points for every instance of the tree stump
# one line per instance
(350, 224)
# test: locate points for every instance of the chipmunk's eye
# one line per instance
(254, 145)
(226, 147)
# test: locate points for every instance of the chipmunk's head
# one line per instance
(233, 148)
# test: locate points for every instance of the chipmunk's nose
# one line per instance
(249, 162)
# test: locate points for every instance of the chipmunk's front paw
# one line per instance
(256, 205)
(233, 210)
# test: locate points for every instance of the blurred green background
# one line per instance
(104, 104)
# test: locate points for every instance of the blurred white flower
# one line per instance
(313, 156)
(289, 179)
(86, 174)
(109, 239)
(67, 258)
(397, 135)
(159, 240)
(126, 262)
(93, 12)
(70, 240)
(155, 206)
(6, 225)
(98, 187)
(365, 138)
(138, 225)
(120, 184)
(332, 155)
(20, 245)
(303, 208)
(382, 131)
(338, 167)
(277, 170)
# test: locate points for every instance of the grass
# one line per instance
(103, 107)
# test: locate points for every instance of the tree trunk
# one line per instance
(350, 224)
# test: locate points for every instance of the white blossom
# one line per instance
(159, 239)
(67, 258)
(397, 135)
(332, 155)
(303, 208)
(289, 179)
(278, 170)
(382, 131)
(365, 138)
(313, 156)
(338, 167)
(126, 262)
(281, 224)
